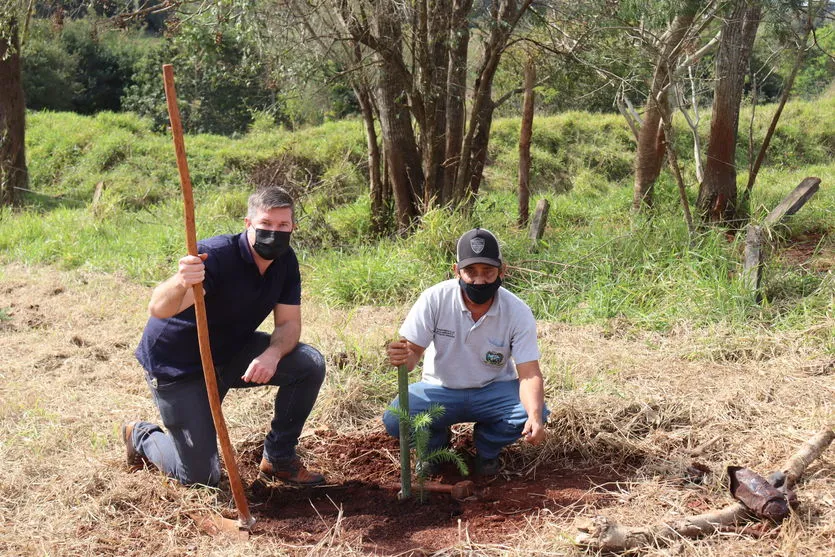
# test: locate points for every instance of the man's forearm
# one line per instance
(532, 396)
(285, 338)
(167, 298)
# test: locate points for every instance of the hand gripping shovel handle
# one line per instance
(405, 465)
(244, 516)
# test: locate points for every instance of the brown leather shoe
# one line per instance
(291, 471)
(132, 456)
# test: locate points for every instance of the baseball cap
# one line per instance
(478, 246)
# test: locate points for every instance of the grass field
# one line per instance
(655, 355)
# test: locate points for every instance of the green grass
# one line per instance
(597, 262)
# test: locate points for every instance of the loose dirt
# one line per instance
(361, 499)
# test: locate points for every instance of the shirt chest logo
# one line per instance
(494, 358)
(444, 333)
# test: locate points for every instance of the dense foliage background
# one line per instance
(231, 71)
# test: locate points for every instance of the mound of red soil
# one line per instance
(360, 503)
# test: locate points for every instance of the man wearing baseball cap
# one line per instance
(480, 357)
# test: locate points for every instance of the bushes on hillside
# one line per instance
(80, 65)
(219, 80)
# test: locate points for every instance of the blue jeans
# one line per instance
(188, 451)
(495, 408)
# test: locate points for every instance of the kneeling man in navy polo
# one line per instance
(245, 276)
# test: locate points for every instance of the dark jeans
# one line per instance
(188, 451)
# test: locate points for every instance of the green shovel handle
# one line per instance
(405, 466)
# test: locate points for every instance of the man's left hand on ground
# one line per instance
(534, 432)
(261, 369)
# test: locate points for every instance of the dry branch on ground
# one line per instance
(603, 534)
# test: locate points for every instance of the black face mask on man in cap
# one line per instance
(480, 293)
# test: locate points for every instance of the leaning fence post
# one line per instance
(752, 269)
(753, 266)
(540, 219)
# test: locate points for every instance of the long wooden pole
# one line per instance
(244, 515)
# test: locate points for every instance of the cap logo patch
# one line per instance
(477, 245)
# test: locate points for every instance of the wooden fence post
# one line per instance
(540, 218)
(752, 269)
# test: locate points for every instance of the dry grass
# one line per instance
(656, 402)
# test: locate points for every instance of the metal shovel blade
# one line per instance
(754, 491)
(216, 525)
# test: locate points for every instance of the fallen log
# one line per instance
(602, 534)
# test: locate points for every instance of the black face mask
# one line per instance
(480, 293)
(270, 244)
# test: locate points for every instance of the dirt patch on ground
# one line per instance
(361, 499)
(809, 250)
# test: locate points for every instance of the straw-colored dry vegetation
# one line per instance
(656, 401)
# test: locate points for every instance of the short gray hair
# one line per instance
(270, 197)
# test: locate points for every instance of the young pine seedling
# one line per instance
(419, 425)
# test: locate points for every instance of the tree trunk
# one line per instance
(432, 56)
(650, 154)
(482, 122)
(525, 133)
(456, 94)
(401, 150)
(378, 209)
(649, 157)
(717, 199)
(474, 148)
(13, 172)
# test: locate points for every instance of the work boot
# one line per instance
(290, 470)
(487, 466)
(132, 455)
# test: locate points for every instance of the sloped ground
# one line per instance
(632, 412)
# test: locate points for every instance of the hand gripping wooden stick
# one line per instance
(244, 517)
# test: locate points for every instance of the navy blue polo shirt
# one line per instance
(238, 299)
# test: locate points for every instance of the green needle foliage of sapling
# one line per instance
(419, 425)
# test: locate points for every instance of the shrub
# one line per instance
(218, 77)
(82, 65)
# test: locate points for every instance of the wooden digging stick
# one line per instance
(244, 517)
(405, 464)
